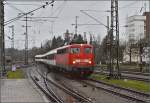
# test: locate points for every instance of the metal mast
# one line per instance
(76, 25)
(107, 24)
(149, 5)
(114, 31)
(12, 39)
(12, 44)
(26, 37)
(26, 41)
(2, 40)
(117, 38)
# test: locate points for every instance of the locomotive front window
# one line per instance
(75, 50)
(87, 50)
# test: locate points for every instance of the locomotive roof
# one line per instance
(38, 56)
(80, 45)
(54, 51)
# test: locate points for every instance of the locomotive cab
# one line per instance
(82, 58)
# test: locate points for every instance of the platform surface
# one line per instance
(19, 90)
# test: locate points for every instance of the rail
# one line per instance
(123, 92)
(68, 90)
(49, 93)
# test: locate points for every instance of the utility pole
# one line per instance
(130, 50)
(26, 38)
(12, 39)
(76, 26)
(52, 24)
(149, 5)
(111, 40)
(141, 45)
(2, 39)
(107, 24)
(114, 31)
(26, 42)
(117, 39)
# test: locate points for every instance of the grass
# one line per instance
(132, 84)
(18, 74)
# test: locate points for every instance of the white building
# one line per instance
(135, 31)
(135, 27)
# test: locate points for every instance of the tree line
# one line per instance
(100, 48)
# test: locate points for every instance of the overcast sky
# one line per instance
(65, 11)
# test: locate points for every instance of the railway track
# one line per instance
(126, 93)
(136, 78)
(128, 76)
(136, 73)
(120, 91)
(70, 91)
(127, 72)
(50, 94)
(139, 97)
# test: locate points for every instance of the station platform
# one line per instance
(20, 91)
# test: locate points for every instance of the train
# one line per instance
(73, 59)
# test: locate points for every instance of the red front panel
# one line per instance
(81, 59)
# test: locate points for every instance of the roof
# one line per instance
(54, 51)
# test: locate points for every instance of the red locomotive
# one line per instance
(75, 59)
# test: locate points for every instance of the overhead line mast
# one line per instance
(149, 5)
(114, 43)
(12, 44)
(12, 39)
(2, 43)
(76, 25)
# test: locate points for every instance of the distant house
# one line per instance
(135, 57)
(137, 28)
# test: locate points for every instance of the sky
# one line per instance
(40, 30)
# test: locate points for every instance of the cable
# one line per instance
(23, 4)
(93, 18)
(61, 8)
(16, 18)
(14, 7)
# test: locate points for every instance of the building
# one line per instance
(147, 25)
(135, 57)
(138, 27)
(135, 27)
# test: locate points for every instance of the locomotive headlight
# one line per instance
(90, 62)
(74, 62)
